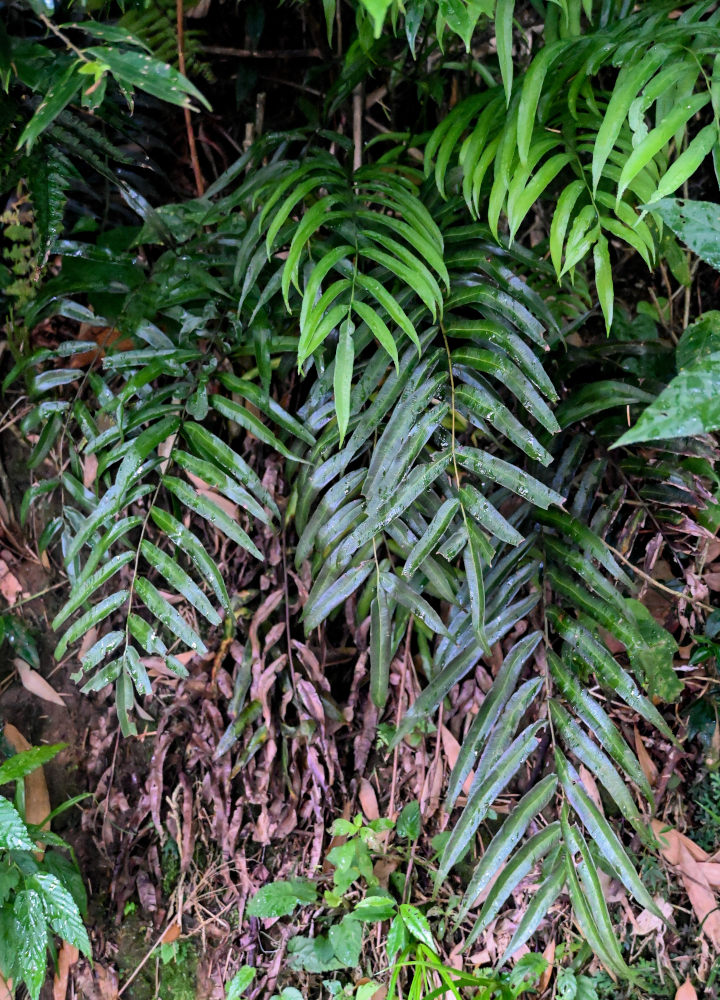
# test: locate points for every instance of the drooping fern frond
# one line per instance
(152, 420)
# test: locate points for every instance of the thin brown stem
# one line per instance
(199, 179)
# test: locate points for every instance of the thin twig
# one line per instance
(143, 961)
(224, 50)
(660, 586)
(199, 179)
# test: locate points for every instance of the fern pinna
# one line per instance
(431, 476)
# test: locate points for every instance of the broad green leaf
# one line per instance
(689, 406)
(377, 9)
(279, 899)
(61, 92)
(13, 833)
(697, 223)
(654, 654)
(245, 974)
(23, 763)
(137, 69)
(31, 937)
(417, 925)
(61, 911)
(700, 341)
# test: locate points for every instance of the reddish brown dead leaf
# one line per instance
(10, 586)
(100, 338)
(368, 801)
(686, 991)
(35, 684)
(171, 934)
(591, 787)
(549, 956)
(37, 800)
(67, 957)
(646, 762)
(90, 467)
(689, 860)
(451, 749)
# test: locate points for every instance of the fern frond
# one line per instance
(606, 156)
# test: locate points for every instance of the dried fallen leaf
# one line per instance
(686, 991)
(646, 762)
(689, 860)
(37, 799)
(649, 923)
(67, 957)
(451, 749)
(10, 586)
(35, 684)
(591, 787)
(549, 956)
(171, 934)
(368, 801)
